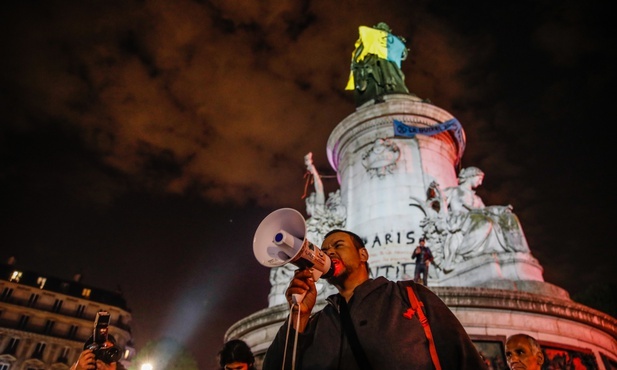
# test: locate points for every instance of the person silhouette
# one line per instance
(423, 256)
(236, 355)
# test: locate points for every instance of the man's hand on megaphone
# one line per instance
(301, 296)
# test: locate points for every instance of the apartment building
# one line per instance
(45, 321)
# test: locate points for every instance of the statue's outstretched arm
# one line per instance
(320, 197)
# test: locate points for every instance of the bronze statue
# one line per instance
(376, 64)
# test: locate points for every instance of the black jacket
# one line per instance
(389, 339)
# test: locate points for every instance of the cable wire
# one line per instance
(295, 347)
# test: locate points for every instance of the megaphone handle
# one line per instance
(297, 298)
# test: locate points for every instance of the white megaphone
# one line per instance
(281, 239)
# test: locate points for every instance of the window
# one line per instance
(80, 310)
(64, 355)
(57, 305)
(23, 321)
(49, 326)
(4, 366)
(72, 332)
(86, 293)
(41, 282)
(492, 351)
(6, 294)
(33, 299)
(38, 351)
(15, 276)
(567, 357)
(11, 349)
(608, 362)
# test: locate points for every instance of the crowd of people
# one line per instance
(329, 339)
(522, 352)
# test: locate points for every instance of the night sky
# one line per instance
(142, 142)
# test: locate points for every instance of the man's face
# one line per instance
(344, 255)
(237, 366)
(521, 355)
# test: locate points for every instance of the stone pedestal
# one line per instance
(384, 179)
(485, 313)
(381, 174)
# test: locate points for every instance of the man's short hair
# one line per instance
(533, 343)
(236, 350)
(357, 241)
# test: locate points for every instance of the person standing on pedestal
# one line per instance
(423, 256)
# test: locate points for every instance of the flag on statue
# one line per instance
(380, 43)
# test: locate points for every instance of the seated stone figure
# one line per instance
(475, 229)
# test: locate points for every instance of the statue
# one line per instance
(434, 225)
(459, 226)
(475, 229)
(324, 215)
(316, 201)
(376, 64)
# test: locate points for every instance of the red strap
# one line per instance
(418, 306)
(309, 181)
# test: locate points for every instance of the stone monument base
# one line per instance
(489, 315)
(510, 271)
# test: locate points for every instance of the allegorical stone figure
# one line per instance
(475, 229)
(323, 214)
(376, 64)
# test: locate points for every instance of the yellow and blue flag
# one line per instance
(380, 43)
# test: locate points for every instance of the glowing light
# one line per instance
(146, 367)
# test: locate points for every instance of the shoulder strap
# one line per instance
(418, 307)
(354, 342)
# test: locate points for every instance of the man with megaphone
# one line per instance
(370, 324)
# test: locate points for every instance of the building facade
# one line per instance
(45, 321)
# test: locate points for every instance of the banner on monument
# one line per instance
(403, 130)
